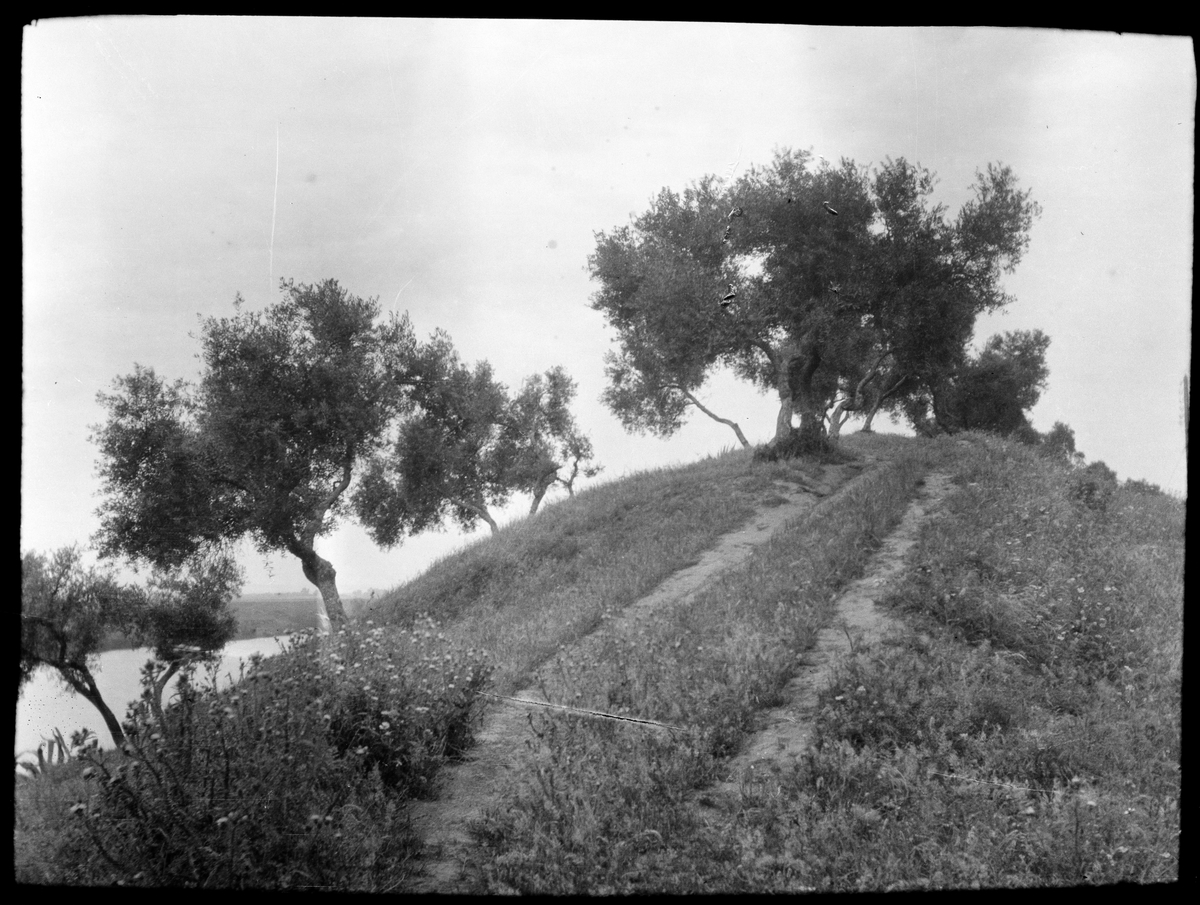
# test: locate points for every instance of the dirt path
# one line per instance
(787, 730)
(469, 788)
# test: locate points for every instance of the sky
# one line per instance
(460, 169)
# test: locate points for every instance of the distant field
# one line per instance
(262, 615)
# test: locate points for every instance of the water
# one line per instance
(47, 704)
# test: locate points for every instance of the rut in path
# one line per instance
(787, 732)
(469, 788)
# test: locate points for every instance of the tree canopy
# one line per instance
(468, 445)
(67, 612)
(548, 437)
(289, 403)
(992, 391)
(807, 281)
(310, 412)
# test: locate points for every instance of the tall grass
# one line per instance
(297, 776)
(1027, 735)
(547, 581)
(607, 808)
(1026, 730)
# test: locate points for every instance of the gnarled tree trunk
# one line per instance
(799, 366)
(544, 483)
(330, 613)
(878, 401)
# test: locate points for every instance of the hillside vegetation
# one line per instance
(1025, 732)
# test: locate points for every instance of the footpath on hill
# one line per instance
(787, 730)
(469, 788)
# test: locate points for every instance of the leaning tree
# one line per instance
(814, 283)
(266, 445)
(548, 440)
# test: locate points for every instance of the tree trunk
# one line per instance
(878, 401)
(796, 394)
(840, 416)
(539, 490)
(330, 614)
(866, 428)
(86, 687)
(160, 685)
(481, 510)
(783, 421)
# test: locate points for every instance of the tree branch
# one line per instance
(766, 349)
(696, 402)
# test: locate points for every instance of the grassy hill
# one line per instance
(1026, 732)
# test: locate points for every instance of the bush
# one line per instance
(297, 776)
(1136, 485)
(1093, 486)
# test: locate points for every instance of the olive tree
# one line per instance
(810, 282)
(266, 445)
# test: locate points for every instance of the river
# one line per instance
(46, 703)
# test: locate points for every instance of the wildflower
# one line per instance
(385, 726)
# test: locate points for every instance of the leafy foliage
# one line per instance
(68, 610)
(265, 446)
(822, 297)
(296, 777)
(995, 390)
(468, 446)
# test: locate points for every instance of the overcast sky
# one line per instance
(458, 170)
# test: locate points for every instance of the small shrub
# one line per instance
(1137, 485)
(1093, 486)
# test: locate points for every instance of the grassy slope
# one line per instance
(544, 582)
(1029, 736)
(1020, 681)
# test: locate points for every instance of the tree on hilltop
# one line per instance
(994, 390)
(813, 283)
(548, 438)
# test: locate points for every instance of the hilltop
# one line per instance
(1019, 725)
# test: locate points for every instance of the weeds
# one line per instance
(296, 776)
(1025, 732)
(709, 663)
